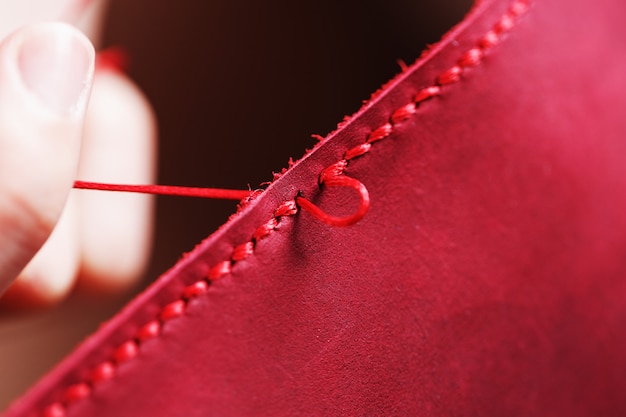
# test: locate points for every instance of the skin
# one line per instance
(61, 119)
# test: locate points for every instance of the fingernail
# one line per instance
(55, 64)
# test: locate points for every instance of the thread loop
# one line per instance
(333, 177)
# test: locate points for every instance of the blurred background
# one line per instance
(238, 89)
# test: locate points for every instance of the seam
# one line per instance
(131, 348)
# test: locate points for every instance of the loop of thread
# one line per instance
(334, 178)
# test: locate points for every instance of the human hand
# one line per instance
(51, 133)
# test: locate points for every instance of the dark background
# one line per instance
(238, 88)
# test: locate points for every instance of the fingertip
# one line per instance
(50, 275)
(46, 72)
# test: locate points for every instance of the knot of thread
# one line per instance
(333, 176)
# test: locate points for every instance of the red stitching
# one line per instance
(149, 331)
(125, 352)
(173, 310)
(490, 39)
(195, 290)
(403, 113)
(54, 410)
(265, 230)
(426, 93)
(450, 76)
(76, 392)
(220, 270)
(380, 133)
(242, 251)
(103, 372)
(357, 151)
(471, 58)
(331, 176)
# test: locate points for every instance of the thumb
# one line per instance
(46, 72)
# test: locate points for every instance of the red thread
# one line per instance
(357, 151)
(471, 58)
(196, 289)
(332, 171)
(265, 230)
(76, 392)
(333, 177)
(403, 113)
(427, 93)
(126, 352)
(288, 208)
(103, 372)
(149, 331)
(450, 76)
(242, 251)
(217, 193)
(54, 410)
(173, 310)
(114, 58)
(489, 40)
(519, 8)
(380, 133)
(220, 270)
(505, 24)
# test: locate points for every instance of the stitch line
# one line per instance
(128, 350)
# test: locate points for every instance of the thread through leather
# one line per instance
(331, 176)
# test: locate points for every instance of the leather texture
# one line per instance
(487, 278)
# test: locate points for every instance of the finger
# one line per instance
(51, 273)
(119, 147)
(84, 14)
(87, 15)
(45, 79)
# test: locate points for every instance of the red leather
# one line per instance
(487, 278)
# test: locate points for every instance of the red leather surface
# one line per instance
(487, 278)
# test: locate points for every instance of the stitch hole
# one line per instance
(196, 289)
(76, 392)
(242, 251)
(103, 372)
(54, 410)
(403, 113)
(126, 352)
(220, 270)
(450, 76)
(427, 93)
(173, 310)
(357, 151)
(149, 331)
(471, 58)
(380, 133)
